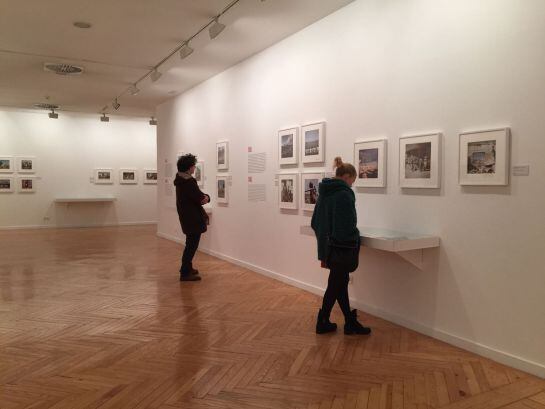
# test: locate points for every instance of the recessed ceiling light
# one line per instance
(82, 24)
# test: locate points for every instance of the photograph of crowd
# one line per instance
(312, 142)
(418, 160)
(287, 147)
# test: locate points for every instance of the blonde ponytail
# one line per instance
(342, 168)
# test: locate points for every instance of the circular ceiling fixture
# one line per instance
(46, 106)
(63, 69)
(82, 24)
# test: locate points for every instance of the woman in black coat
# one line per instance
(193, 217)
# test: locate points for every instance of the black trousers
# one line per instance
(337, 290)
(191, 246)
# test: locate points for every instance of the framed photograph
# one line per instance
(6, 164)
(104, 177)
(150, 176)
(420, 161)
(26, 164)
(6, 184)
(222, 155)
(313, 143)
(288, 146)
(309, 183)
(199, 173)
(287, 191)
(128, 177)
(485, 157)
(26, 184)
(222, 189)
(370, 161)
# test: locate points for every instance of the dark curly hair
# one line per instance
(185, 162)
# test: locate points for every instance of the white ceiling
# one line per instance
(128, 38)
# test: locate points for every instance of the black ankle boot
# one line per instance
(352, 326)
(323, 325)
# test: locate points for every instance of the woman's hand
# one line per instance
(205, 200)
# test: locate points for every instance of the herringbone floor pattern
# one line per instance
(95, 318)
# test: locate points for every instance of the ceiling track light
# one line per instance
(153, 121)
(116, 105)
(134, 89)
(53, 114)
(185, 51)
(104, 118)
(155, 75)
(215, 29)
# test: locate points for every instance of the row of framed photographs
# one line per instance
(483, 160)
(19, 164)
(23, 184)
(312, 144)
(288, 190)
(105, 176)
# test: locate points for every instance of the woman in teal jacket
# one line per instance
(335, 220)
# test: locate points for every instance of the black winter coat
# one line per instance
(193, 217)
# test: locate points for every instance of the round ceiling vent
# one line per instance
(63, 69)
(46, 106)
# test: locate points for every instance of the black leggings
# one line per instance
(191, 246)
(337, 290)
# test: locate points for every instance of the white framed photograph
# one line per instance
(199, 173)
(485, 157)
(26, 164)
(370, 161)
(313, 143)
(288, 146)
(420, 161)
(222, 155)
(222, 189)
(287, 190)
(150, 176)
(6, 164)
(6, 184)
(309, 184)
(128, 177)
(26, 184)
(104, 177)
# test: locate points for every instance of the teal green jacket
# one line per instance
(335, 215)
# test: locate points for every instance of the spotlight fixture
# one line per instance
(155, 75)
(134, 89)
(53, 114)
(104, 118)
(153, 121)
(116, 105)
(215, 29)
(185, 51)
(82, 24)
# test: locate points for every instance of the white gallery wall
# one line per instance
(385, 69)
(67, 150)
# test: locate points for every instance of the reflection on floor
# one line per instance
(97, 318)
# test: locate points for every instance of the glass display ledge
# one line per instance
(84, 199)
(389, 240)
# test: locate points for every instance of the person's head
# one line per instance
(344, 171)
(187, 163)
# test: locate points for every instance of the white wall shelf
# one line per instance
(85, 199)
(389, 240)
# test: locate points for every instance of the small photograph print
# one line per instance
(26, 184)
(6, 184)
(221, 155)
(286, 195)
(287, 146)
(311, 191)
(221, 188)
(198, 174)
(481, 157)
(128, 176)
(418, 160)
(151, 176)
(368, 163)
(104, 175)
(26, 164)
(5, 164)
(312, 142)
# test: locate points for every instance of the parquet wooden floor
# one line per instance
(96, 318)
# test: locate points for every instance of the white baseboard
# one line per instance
(503, 357)
(75, 226)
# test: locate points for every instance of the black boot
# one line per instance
(352, 326)
(323, 325)
(190, 277)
